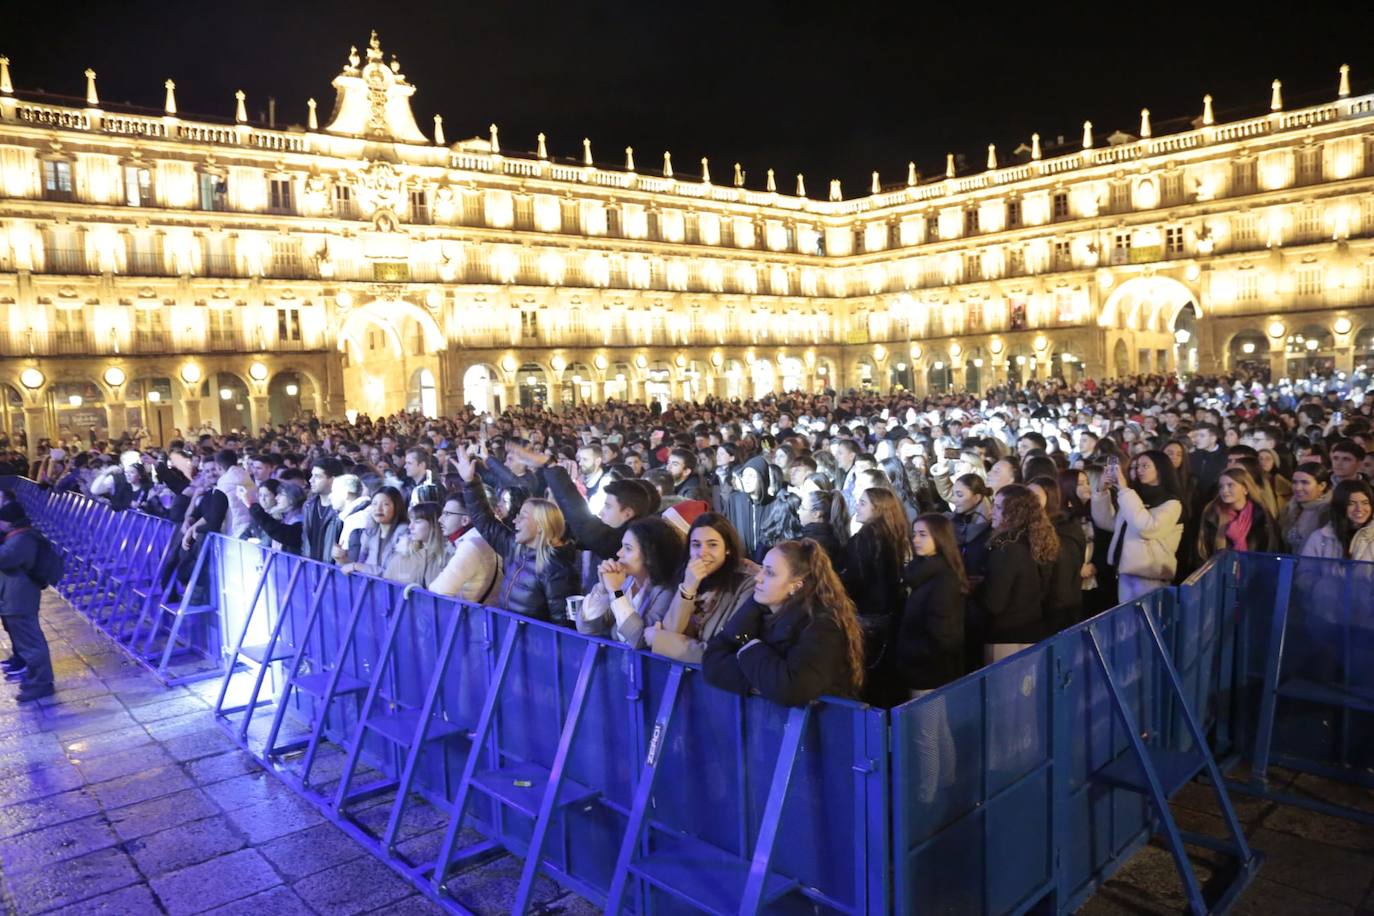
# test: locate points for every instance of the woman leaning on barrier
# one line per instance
(1235, 519)
(1021, 554)
(421, 552)
(930, 639)
(716, 581)
(798, 639)
(385, 526)
(1349, 534)
(540, 568)
(635, 590)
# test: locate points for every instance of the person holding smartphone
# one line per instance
(1144, 511)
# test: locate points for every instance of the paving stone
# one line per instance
(311, 850)
(44, 812)
(184, 845)
(411, 906)
(221, 767)
(1268, 898)
(82, 878)
(39, 782)
(1324, 828)
(157, 814)
(1326, 871)
(177, 726)
(197, 744)
(214, 883)
(353, 887)
(42, 848)
(134, 900)
(279, 901)
(106, 743)
(128, 790)
(250, 789)
(183, 705)
(490, 889)
(124, 763)
(273, 818)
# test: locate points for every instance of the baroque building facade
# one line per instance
(165, 273)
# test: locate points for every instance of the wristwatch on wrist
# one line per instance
(618, 593)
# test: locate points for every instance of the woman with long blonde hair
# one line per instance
(797, 639)
(1236, 519)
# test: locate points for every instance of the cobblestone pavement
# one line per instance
(121, 796)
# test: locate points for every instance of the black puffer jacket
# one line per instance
(524, 590)
(789, 658)
(930, 639)
(1065, 605)
(1013, 594)
(764, 522)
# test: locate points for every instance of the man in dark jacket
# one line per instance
(687, 483)
(318, 512)
(19, 598)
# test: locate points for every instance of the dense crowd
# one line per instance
(796, 546)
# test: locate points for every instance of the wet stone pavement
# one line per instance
(121, 796)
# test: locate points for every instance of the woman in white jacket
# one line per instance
(1146, 523)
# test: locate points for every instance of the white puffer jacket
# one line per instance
(1148, 538)
(472, 572)
(1324, 543)
(238, 519)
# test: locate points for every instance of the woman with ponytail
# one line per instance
(797, 638)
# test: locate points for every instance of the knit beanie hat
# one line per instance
(683, 514)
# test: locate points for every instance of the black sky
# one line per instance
(828, 89)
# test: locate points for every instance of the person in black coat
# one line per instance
(825, 520)
(970, 513)
(874, 559)
(1065, 605)
(797, 640)
(1022, 552)
(539, 569)
(930, 640)
(760, 514)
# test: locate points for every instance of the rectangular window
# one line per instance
(1243, 173)
(1245, 232)
(1120, 197)
(1061, 205)
(288, 323)
(223, 329)
(1310, 280)
(57, 179)
(933, 228)
(286, 259)
(971, 221)
(973, 267)
(1247, 287)
(1309, 165)
(1368, 275)
(529, 323)
(1121, 248)
(1309, 222)
(419, 206)
(1173, 241)
(1013, 214)
(343, 202)
(1016, 262)
(279, 195)
(70, 331)
(1063, 255)
(1172, 189)
(149, 330)
(138, 186)
(214, 195)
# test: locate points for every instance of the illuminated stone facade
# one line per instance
(170, 272)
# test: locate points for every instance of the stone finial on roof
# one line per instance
(835, 192)
(374, 101)
(949, 165)
(92, 98)
(240, 108)
(874, 186)
(1207, 117)
(169, 105)
(801, 185)
(5, 85)
(1035, 146)
(1276, 96)
(586, 151)
(992, 156)
(1344, 89)
(353, 59)
(667, 164)
(1087, 134)
(1146, 131)
(911, 177)
(542, 151)
(439, 131)
(739, 176)
(705, 171)
(771, 185)
(312, 119)
(629, 158)
(494, 138)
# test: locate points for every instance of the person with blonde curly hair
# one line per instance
(1022, 550)
(797, 639)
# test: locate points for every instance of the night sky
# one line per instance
(828, 89)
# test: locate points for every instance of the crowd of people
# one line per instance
(874, 547)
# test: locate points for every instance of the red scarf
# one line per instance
(1238, 529)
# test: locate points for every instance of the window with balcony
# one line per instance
(286, 259)
(1247, 287)
(1060, 205)
(1309, 222)
(1243, 172)
(1173, 241)
(933, 228)
(419, 207)
(224, 330)
(1013, 214)
(150, 331)
(57, 179)
(288, 324)
(1121, 248)
(344, 205)
(214, 193)
(973, 267)
(279, 198)
(971, 221)
(1309, 165)
(1063, 255)
(529, 324)
(1120, 200)
(1171, 189)
(69, 331)
(1245, 231)
(1016, 262)
(138, 186)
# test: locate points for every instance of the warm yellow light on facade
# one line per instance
(75, 400)
(717, 360)
(154, 396)
(509, 364)
(680, 360)
(600, 362)
(1342, 325)
(916, 351)
(1276, 329)
(1040, 343)
(190, 373)
(955, 350)
(114, 376)
(641, 360)
(257, 372)
(879, 352)
(226, 394)
(31, 378)
(292, 390)
(995, 346)
(558, 363)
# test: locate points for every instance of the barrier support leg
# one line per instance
(773, 809)
(1273, 669)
